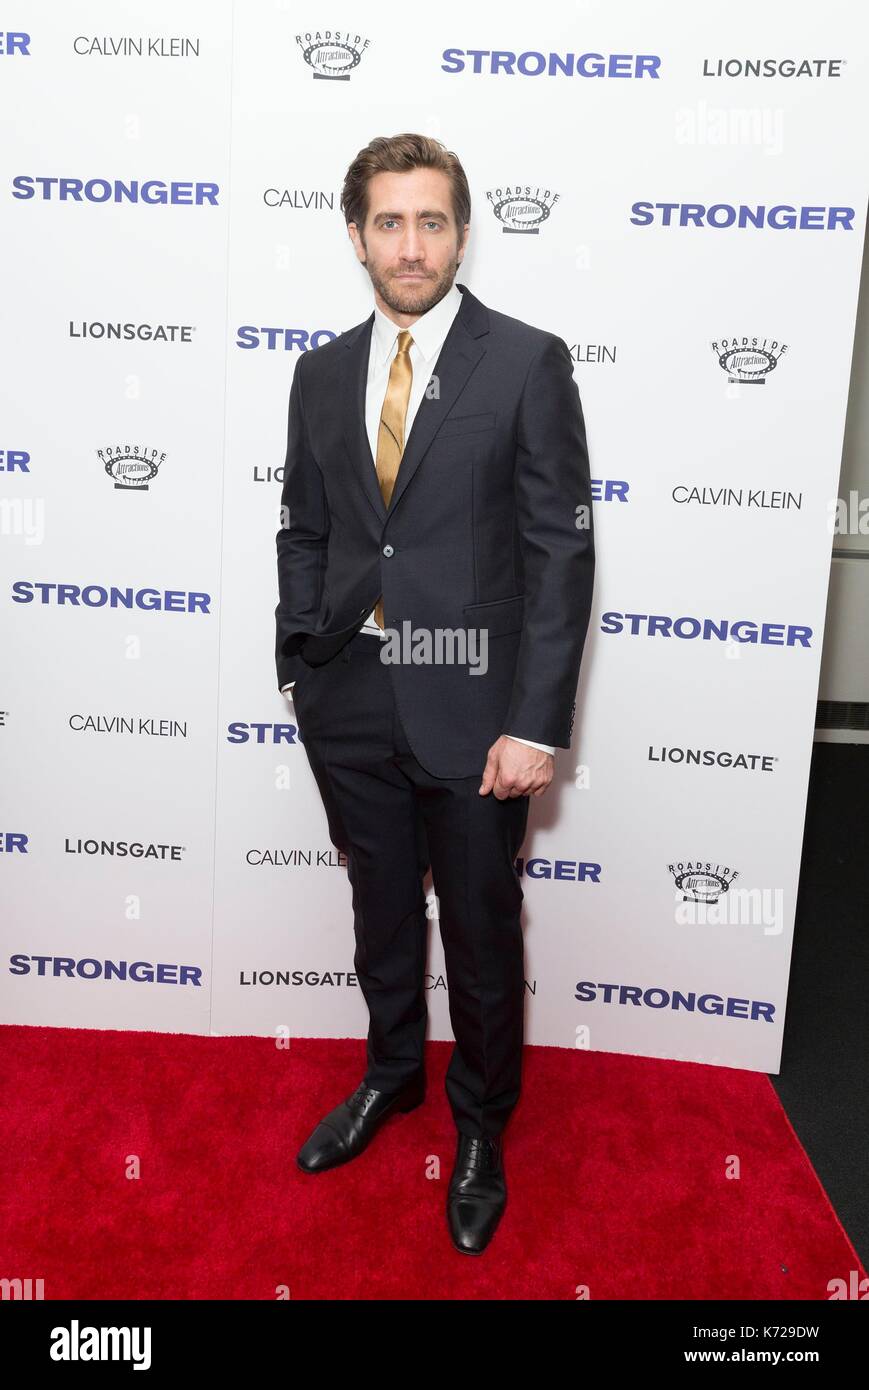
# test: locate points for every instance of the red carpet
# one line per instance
(616, 1169)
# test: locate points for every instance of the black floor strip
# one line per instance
(824, 1079)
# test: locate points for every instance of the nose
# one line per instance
(410, 249)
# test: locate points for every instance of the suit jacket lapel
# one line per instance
(458, 357)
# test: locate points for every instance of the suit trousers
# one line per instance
(393, 820)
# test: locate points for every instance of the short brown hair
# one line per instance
(396, 154)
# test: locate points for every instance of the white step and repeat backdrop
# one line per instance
(676, 190)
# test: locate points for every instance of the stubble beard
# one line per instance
(408, 298)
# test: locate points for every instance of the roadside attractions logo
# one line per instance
(702, 881)
(132, 467)
(332, 54)
(522, 208)
(748, 361)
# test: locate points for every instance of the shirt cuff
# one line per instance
(544, 747)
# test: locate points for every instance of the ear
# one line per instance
(353, 233)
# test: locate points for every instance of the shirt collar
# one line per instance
(428, 333)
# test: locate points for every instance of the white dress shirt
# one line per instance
(428, 333)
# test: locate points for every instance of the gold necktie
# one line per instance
(390, 436)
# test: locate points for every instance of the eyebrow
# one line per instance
(431, 212)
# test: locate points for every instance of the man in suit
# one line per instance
(436, 489)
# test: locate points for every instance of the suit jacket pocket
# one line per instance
(466, 424)
(498, 617)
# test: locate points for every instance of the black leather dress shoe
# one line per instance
(477, 1193)
(350, 1127)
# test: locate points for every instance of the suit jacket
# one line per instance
(489, 527)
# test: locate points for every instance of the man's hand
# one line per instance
(515, 769)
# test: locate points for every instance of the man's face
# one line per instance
(410, 245)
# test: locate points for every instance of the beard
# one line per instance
(405, 297)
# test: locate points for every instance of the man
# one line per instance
(436, 488)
